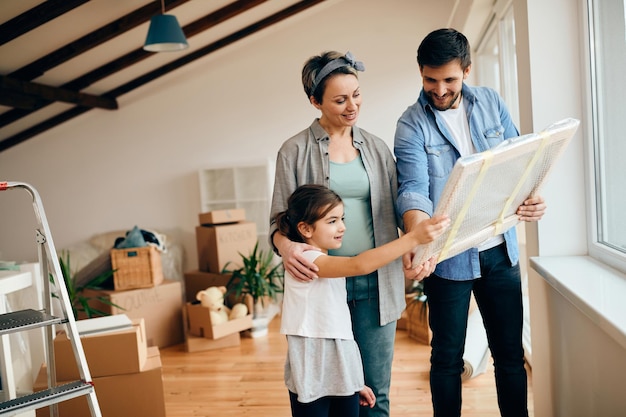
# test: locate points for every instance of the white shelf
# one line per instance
(248, 186)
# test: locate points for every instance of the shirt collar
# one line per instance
(320, 134)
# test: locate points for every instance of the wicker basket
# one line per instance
(417, 322)
(136, 268)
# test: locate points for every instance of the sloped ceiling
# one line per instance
(61, 58)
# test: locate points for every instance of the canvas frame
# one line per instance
(484, 190)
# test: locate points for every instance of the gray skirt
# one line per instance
(317, 368)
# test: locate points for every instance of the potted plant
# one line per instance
(79, 302)
(261, 279)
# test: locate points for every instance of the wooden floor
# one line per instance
(247, 380)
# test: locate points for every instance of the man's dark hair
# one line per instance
(442, 46)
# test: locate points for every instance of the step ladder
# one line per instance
(30, 319)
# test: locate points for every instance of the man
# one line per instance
(451, 119)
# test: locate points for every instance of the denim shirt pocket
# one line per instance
(494, 135)
(441, 159)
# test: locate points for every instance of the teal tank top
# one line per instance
(350, 181)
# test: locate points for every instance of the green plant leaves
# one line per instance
(258, 277)
(79, 302)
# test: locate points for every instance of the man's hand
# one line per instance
(412, 220)
(532, 209)
(293, 260)
(419, 272)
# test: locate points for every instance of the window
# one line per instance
(607, 59)
(496, 67)
(496, 64)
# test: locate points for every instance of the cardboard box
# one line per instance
(197, 281)
(222, 216)
(199, 323)
(160, 306)
(112, 353)
(222, 244)
(201, 344)
(127, 395)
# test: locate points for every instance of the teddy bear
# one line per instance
(213, 299)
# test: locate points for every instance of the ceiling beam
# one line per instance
(140, 81)
(212, 47)
(29, 95)
(42, 127)
(35, 17)
(107, 32)
(139, 54)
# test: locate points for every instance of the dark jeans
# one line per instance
(499, 297)
(325, 406)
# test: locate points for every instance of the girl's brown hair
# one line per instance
(308, 203)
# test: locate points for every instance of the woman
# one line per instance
(359, 167)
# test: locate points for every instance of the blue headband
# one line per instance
(345, 61)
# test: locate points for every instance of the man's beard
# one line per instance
(431, 101)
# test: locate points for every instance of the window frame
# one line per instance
(597, 249)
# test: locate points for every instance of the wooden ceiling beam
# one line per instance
(109, 31)
(35, 17)
(42, 127)
(29, 95)
(212, 47)
(125, 61)
(139, 81)
(193, 28)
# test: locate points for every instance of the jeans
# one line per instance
(326, 406)
(376, 345)
(499, 297)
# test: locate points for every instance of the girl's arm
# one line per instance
(372, 259)
(367, 397)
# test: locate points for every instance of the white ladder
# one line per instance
(29, 319)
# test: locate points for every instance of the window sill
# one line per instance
(594, 288)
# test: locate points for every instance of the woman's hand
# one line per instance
(293, 260)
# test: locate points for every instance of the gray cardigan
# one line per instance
(303, 159)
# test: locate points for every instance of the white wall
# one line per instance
(575, 362)
(138, 165)
(549, 71)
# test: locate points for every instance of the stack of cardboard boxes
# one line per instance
(221, 237)
(141, 291)
(126, 372)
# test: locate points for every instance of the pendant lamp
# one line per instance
(165, 34)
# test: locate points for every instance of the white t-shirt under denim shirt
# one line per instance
(456, 121)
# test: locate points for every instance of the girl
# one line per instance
(323, 369)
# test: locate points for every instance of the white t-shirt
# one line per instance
(456, 121)
(317, 308)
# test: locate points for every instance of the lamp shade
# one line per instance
(165, 34)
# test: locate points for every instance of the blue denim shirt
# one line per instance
(426, 152)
